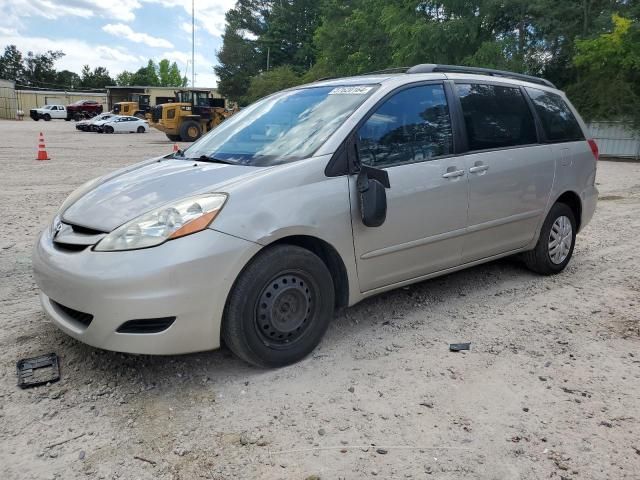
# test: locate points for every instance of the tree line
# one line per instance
(38, 70)
(590, 48)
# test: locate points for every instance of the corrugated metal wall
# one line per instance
(8, 100)
(615, 139)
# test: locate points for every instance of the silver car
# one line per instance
(313, 199)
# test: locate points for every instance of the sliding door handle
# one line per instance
(453, 173)
(479, 168)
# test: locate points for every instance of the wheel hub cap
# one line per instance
(283, 310)
(560, 240)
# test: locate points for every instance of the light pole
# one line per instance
(193, 44)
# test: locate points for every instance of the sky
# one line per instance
(117, 34)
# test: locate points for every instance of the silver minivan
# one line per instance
(313, 199)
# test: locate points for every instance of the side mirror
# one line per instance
(371, 184)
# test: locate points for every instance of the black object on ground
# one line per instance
(456, 347)
(38, 370)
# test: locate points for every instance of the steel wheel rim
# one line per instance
(284, 309)
(192, 131)
(560, 240)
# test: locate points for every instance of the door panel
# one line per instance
(422, 233)
(410, 136)
(506, 199)
(510, 173)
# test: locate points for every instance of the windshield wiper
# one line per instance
(211, 159)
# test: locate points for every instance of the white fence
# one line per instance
(615, 139)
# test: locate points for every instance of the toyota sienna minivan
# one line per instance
(313, 199)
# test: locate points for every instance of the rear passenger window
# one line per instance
(496, 116)
(412, 126)
(558, 122)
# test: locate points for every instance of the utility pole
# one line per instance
(193, 44)
(268, 54)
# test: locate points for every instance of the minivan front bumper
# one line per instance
(187, 278)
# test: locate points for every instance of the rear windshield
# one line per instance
(283, 127)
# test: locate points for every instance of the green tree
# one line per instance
(269, 82)
(38, 68)
(147, 76)
(97, 78)
(609, 73)
(67, 79)
(11, 66)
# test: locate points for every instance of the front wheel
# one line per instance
(555, 244)
(173, 138)
(279, 308)
(190, 131)
(46, 117)
(108, 129)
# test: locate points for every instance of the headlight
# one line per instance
(171, 221)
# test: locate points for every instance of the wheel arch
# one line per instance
(573, 201)
(326, 252)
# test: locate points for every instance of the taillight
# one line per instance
(594, 148)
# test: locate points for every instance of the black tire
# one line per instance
(67, 119)
(140, 129)
(46, 117)
(186, 127)
(539, 259)
(174, 138)
(279, 307)
(35, 119)
(108, 129)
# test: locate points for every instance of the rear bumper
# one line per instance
(188, 278)
(589, 199)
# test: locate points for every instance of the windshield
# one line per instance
(283, 127)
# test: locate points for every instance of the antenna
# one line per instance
(193, 44)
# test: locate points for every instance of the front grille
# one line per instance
(156, 113)
(85, 230)
(146, 325)
(81, 317)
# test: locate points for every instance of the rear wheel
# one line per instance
(140, 129)
(46, 117)
(190, 131)
(279, 307)
(555, 244)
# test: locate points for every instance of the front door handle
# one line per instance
(479, 168)
(451, 172)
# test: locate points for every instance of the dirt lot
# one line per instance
(549, 389)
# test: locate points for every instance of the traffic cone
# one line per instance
(175, 147)
(42, 153)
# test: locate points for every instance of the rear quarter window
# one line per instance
(558, 122)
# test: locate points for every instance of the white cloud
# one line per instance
(205, 76)
(125, 31)
(79, 53)
(209, 13)
(123, 10)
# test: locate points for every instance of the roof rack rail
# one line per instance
(386, 70)
(433, 68)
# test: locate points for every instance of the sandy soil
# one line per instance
(549, 389)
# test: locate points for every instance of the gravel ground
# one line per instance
(549, 389)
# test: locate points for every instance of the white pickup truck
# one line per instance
(48, 112)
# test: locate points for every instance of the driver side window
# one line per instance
(412, 126)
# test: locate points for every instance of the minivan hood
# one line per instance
(127, 195)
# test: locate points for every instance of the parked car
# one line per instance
(48, 112)
(124, 124)
(86, 125)
(97, 126)
(83, 109)
(313, 199)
